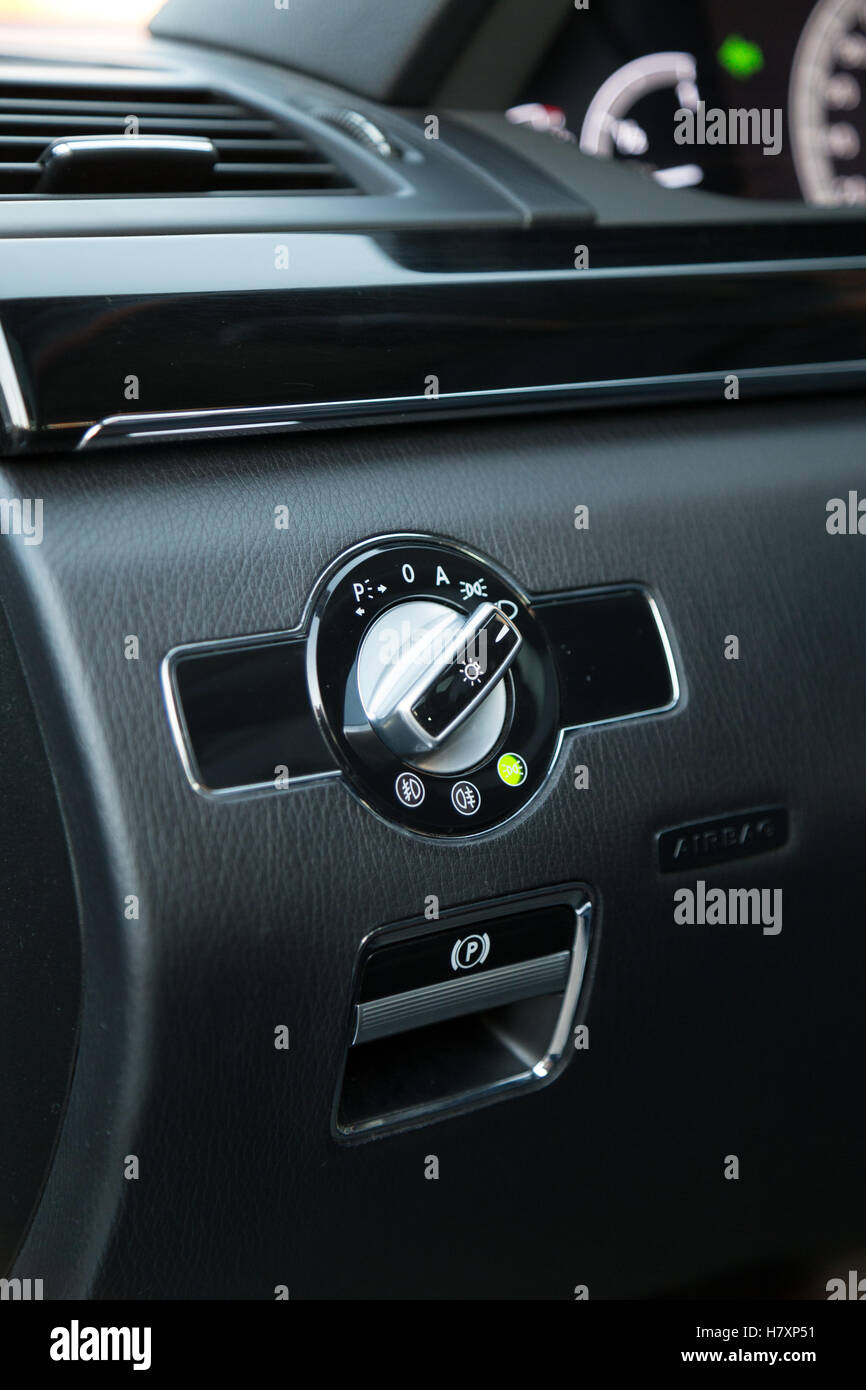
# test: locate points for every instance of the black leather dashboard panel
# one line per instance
(704, 1041)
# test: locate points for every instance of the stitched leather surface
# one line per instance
(704, 1041)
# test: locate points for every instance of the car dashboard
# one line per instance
(431, 533)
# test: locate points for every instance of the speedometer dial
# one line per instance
(631, 116)
(828, 104)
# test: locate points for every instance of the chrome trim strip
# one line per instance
(571, 998)
(676, 690)
(231, 260)
(13, 411)
(416, 1008)
(205, 424)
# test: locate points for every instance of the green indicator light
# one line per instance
(511, 769)
(740, 57)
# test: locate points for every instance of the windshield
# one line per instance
(67, 12)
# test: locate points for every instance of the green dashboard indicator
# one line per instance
(511, 769)
(740, 57)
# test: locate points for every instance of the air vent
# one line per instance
(255, 152)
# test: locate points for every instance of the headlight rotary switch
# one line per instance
(430, 681)
(433, 679)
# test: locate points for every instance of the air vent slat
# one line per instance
(252, 148)
(15, 147)
(289, 171)
(133, 105)
(58, 126)
(256, 152)
(273, 177)
(16, 87)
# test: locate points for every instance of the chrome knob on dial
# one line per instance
(430, 681)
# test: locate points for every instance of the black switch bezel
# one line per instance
(242, 707)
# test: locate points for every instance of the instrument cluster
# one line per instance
(744, 97)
